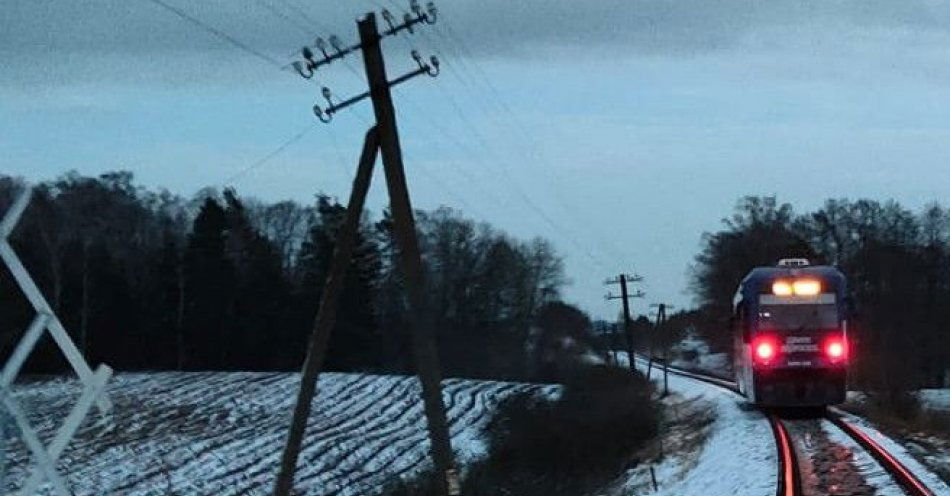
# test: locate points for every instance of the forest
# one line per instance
(148, 280)
(897, 262)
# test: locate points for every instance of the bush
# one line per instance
(571, 446)
(604, 413)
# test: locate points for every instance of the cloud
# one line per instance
(488, 26)
(54, 43)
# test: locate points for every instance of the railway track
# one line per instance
(789, 481)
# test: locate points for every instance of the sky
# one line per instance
(620, 130)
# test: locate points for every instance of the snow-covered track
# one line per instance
(901, 474)
(221, 432)
(789, 476)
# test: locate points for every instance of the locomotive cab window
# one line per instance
(798, 317)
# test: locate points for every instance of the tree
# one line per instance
(355, 340)
(562, 339)
(209, 286)
(760, 232)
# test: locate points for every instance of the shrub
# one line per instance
(570, 446)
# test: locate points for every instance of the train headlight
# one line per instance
(806, 287)
(781, 288)
(798, 287)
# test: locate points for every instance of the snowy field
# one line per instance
(222, 433)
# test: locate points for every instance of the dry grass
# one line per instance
(576, 445)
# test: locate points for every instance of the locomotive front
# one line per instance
(792, 335)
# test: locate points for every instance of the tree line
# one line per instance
(148, 280)
(898, 268)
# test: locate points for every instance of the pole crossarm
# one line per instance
(638, 294)
(45, 319)
(628, 277)
(309, 65)
(430, 68)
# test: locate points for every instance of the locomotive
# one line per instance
(790, 326)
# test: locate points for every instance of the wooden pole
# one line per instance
(326, 314)
(410, 261)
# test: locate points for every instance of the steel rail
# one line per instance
(911, 484)
(789, 477)
(901, 474)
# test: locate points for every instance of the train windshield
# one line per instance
(798, 317)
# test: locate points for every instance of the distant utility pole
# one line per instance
(663, 342)
(382, 137)
(622, 279)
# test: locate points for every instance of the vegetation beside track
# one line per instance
(578, 444)
(925, 433)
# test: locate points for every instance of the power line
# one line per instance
(474, 73)
(501, 164)
(280, 15)
(266, 158)
(297, 10)
(217, 32)
(512, 183)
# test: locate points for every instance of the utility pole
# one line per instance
(663, 338)
(382, 137)
(625, 296)
(427, 359)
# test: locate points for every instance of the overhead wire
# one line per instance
(246, 48)
(474, 72)
(534, 207)
(217, 32)
(510, 181)
(512, 121)
(281, 15)
(293, 139)
(266, 158)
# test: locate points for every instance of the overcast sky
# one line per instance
(620, 130)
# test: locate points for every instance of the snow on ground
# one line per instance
(935, 399)
(930, 479)
(693, 353)
(222, 433)
(739, 457)
(931, 399)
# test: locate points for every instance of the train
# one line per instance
(790, 327)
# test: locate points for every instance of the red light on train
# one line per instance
(836, 349)
(764, 349)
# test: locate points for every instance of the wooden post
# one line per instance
(664, 344)
(622, 279)
(326, 314)
(631, 352)
(410, 262)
